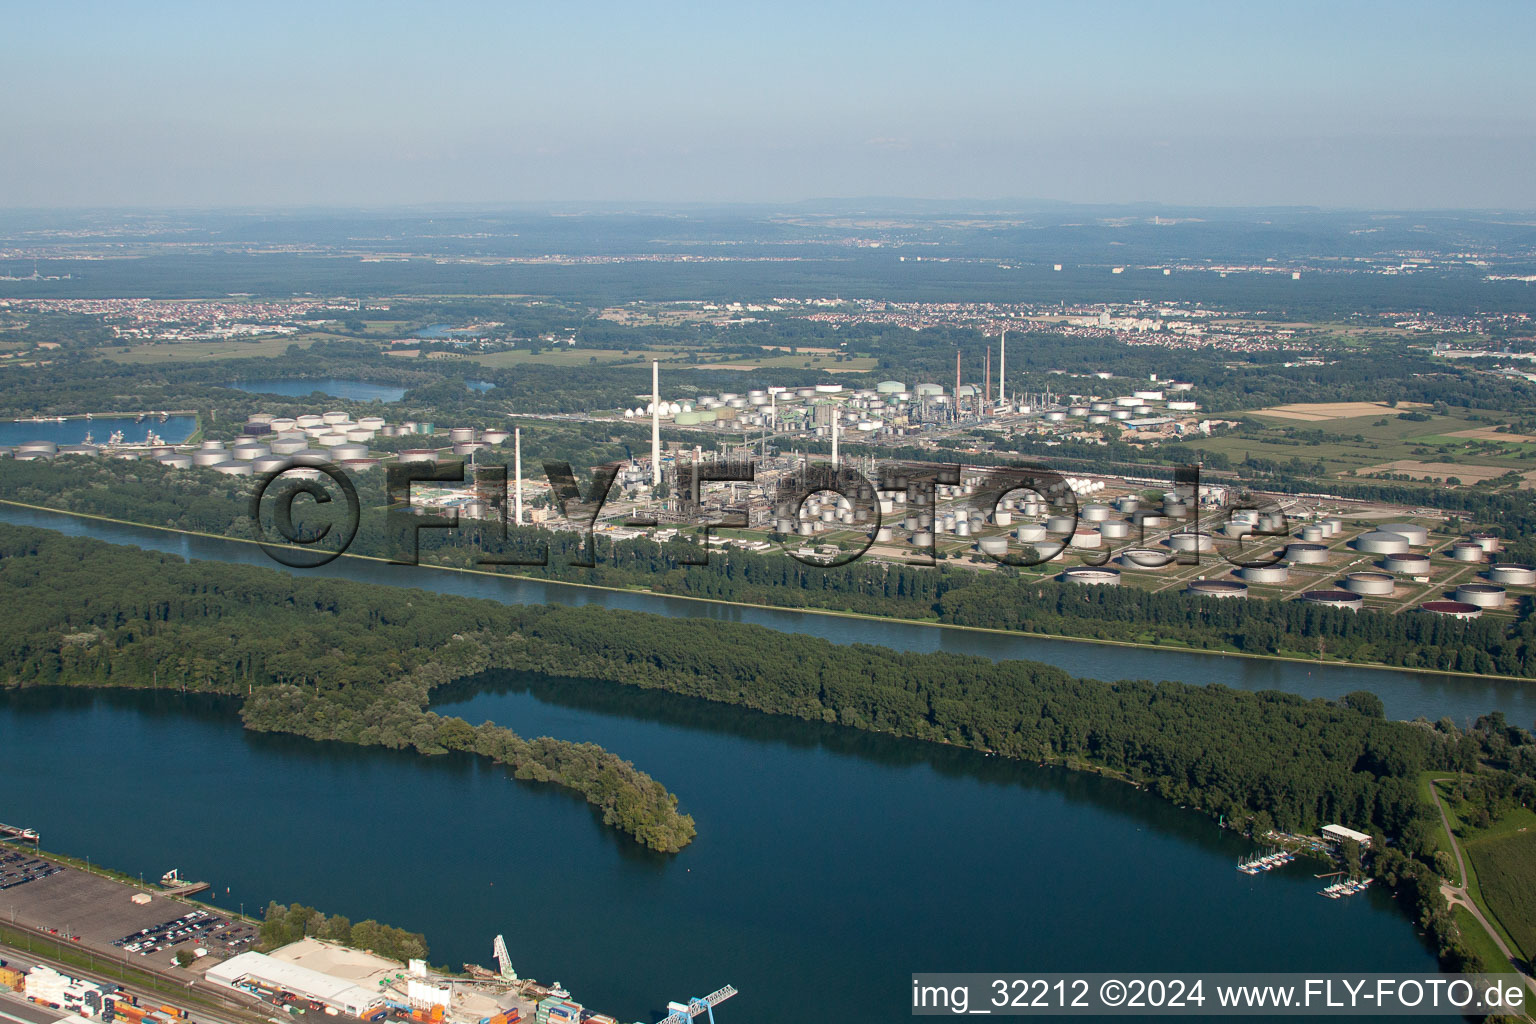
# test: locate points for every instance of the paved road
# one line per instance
(1458, 894)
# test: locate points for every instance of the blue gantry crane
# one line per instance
(683, 1013)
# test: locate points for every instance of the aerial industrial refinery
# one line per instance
(826, 473)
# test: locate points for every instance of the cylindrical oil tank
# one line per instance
(1002, 517)
(1271, 524)
(1190, 540)
(1381, 542)
(1095, 513)
(1087, 539)
(922, 539)
(962, 529)
(212, 446)
(209, 457)
(1149, 520)
(1312, 534)
(1266, 573)
(1371, 584)
(1466, 551)
(457, 434)
(1030, 533)
(247, 452)
(1092, 576)
(331, 439)
(1409, 563)
(279, 424)
(1236, 529)
(1334, 599)
(1175, 509)
(1144, 558)
(806, 529)
(308, 420)
(374, 423)
(335, 416)
(287, 446)
(360, 435)
(350, 451)
(256, 429)
(233, 468)
(1415, 534)
(175, 461)
(358, 465)
(1115, 529)
(1127, 504)
(1302, 553)
(1487, 541)
(1452, 609)
(994, 546)
(1218, 588)
(462, 448)
(417, 455)
(1332, 527)
(1061, 524)
(1484, 595)
(268, 463)
(1508, 574)
(883, 535)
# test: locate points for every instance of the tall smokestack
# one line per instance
(655, 423)
(517, 472)
(1002, 367)
(957, 382)
(986, 384)
(835, 418)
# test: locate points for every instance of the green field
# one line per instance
(563, 356)
(194, 351)
(1506, 874)
(1361, 442)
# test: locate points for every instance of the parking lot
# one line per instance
(100, 914)
(19, 868)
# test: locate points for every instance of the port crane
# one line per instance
(684, 1014)
(503, 958)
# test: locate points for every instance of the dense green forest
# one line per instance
(281, 925)
(1001, 599)
(340, 660)
(310, 657)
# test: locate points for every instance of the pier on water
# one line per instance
(13, 833)
(1268, 861)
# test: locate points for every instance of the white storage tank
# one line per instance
(247, 452)
(1218, 588)
(209, 457)
(1484, 595)
(460, 434)
(350, 451)
(213, 446)
(1060, 524)
(233, 468)
(279, 424)
(883, 535)
(1372, 584)
(267, 463)
(1115, 529)
(1095, 513)
(1145, 558)
(1408, 563)
(1487, 541)
(997, 547)
(175, 461)
(285, 446)
(374, 423)
(309, 419)
(1127, 504)
(1416, 535)
(1332, 527)
(1302, 553)
(1087, 539)
(1092, 576)
(1189, 540)
(1509, 574)
(1312, 534)
(495, 436)
(1467, 551)
(360, 435)
(1030, 533)
(1381, 542)
(417, 455)
(335, 416)
(1334, 599)
(1266, 573)
(922, 539)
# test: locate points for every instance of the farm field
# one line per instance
(1506, 874)
(1460, 443)
(192, 351)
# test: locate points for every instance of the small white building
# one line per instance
(1337, 835)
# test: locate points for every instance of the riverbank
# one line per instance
(1171, 647)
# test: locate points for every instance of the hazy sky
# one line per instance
(1334, 104)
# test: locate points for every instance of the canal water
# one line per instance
(173, 430)
(1406, 695)
(830, 864)
(355, 390)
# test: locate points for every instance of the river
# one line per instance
(1407, 695)
(830, 864)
